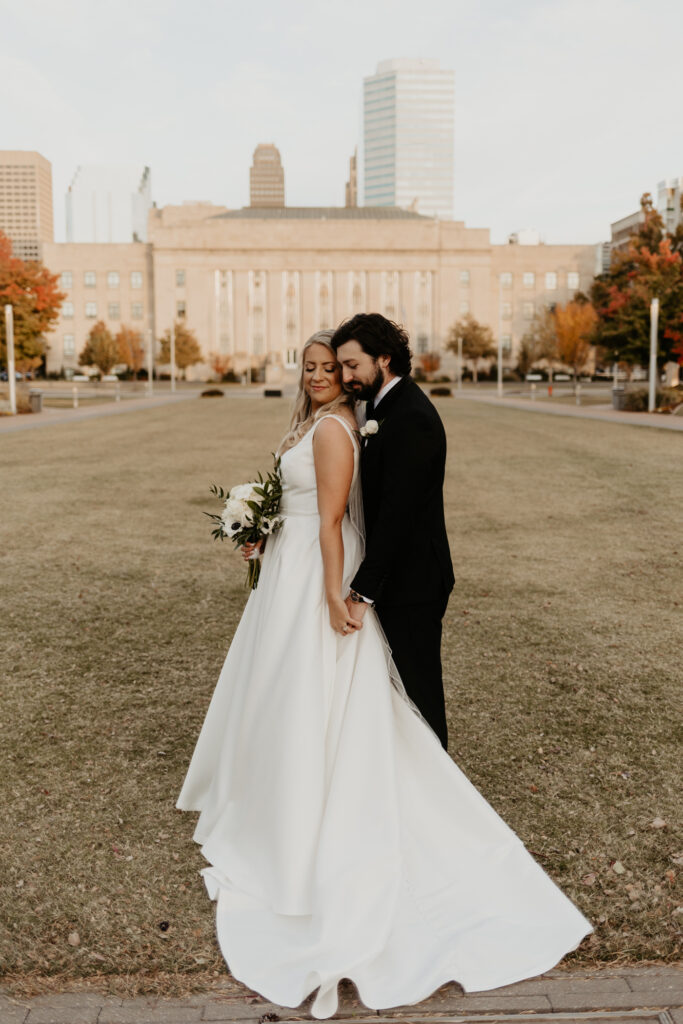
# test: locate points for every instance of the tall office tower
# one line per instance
(26, 202)
(266, 177)
(408, 137)
(351, 194)
(107, 203)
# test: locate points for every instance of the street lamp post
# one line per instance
(654, 320)
(172, 357)
(9, 336)
(150, 361)
(459, 363)
(500, 335)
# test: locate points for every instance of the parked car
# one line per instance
(534, 375)
(562, 376)
(110, 378)
(80, 378)
(4, 376)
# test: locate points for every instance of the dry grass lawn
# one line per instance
(562, 661)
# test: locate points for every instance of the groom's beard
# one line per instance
(366, 391)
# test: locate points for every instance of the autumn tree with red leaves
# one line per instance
(187, 350)
(475, 339)
(131, 349)
(100, 350)
(430, 362)
(32, 291)
(220, 364)
(650, 267)
(574, 325)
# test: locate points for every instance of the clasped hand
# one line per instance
(341, 619)
(249, 549)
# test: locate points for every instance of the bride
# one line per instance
(342, 841)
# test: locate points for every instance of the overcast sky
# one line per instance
(566, 110)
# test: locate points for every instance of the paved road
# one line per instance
(637, 995)
(587, 412)
(51, 417)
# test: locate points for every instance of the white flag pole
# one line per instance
(150, 362)
(654, 319)
(9, 340)
(172, 357)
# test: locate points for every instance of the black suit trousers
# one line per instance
(414, 635)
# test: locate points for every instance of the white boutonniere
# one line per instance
(370, 428)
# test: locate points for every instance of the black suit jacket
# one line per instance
(407, 558)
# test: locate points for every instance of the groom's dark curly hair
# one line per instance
(377, 336)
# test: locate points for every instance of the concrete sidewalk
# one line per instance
(662, 421)
(634, 995)
(50, 417)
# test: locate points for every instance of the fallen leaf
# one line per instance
(533, 789)
(74, 939)
(589, 879)
(658, 823)
(618, 868)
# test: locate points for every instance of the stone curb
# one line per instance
(636, 995)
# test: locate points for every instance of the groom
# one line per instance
(407, 572)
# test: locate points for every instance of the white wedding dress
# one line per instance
(342, 840)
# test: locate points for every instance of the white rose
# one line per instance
(244, 492)
(371, 427)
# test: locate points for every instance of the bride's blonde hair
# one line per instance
(303, 416)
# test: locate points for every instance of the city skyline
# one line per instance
(537, 145)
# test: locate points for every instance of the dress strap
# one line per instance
(345, 425)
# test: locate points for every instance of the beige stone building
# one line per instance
(109, 282)
(253, 284)
(26, 202)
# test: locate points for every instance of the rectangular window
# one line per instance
(69, 344)
(573, 280)
(464, 277)
(506, 310)
(506, 280)
(136, 311)
(136, 279)
(529, 279)
(90, 279)
(290, 358)
(113, 280)
(506, 342)
(528, 310)
(180, 278)
(67, 310)
(91, 310)
(114, 311)
(180, 310)
(551, 280)
(464, 308)
(66, 280)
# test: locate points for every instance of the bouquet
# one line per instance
(251, 512)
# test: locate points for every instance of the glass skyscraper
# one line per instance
(408, 137)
